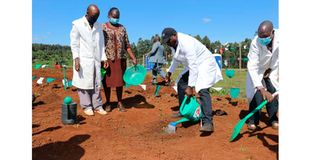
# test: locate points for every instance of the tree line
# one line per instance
(62, 54)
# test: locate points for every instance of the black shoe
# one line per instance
(121, 107)
(207, 127)
(176, 115)
(108, 108)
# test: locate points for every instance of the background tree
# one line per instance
(143, 47)
(206, 41)
(198, 38)
(50, 54)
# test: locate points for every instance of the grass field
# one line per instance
(50, 63)
(239, 81)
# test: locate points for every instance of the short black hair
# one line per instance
(114, 9)
(156, 38)
(167, 33)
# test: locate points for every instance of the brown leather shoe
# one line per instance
(121, 107)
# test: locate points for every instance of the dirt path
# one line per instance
(138, 133)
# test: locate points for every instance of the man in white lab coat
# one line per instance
(201, 71)
(263, 73)
(87, 46)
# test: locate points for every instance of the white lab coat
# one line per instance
(195, 57)
(88, 45)
(260, 59)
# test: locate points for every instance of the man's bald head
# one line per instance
(93, 13)
(93, 10)
(265, 29)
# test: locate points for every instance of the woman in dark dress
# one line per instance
(117, 46)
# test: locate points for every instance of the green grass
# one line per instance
(239, 81)
(50, 63)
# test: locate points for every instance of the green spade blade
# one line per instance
(240, 124)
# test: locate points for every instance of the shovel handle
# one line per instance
(260, 106)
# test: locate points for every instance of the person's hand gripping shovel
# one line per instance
(240, 124)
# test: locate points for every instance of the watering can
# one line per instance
(69, 111)
(190, 112)
(134, 75)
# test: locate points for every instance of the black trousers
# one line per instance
(272, 107)
(157, 69)
(205, 98)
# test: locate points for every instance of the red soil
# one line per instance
(138, 133)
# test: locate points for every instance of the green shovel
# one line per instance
(240, 124)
